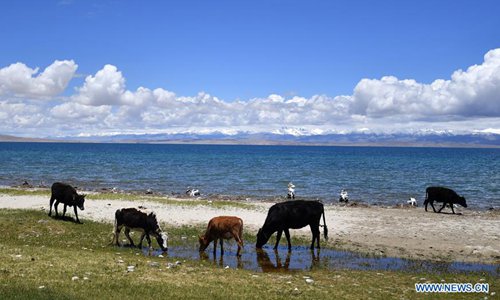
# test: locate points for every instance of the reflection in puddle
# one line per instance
(302, 258)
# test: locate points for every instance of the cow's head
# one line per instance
(202, 239)
(162, 239)
(261, 238)
(80, 199)
(461, 201)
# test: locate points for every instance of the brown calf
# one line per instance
(220, 228)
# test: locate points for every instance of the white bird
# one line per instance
(412, 201)
(344, 197)
(193, 192)
(291, 191)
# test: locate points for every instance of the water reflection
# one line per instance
(267, 265)
(220, 262)
(302, 258)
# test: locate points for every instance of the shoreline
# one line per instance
(245, 198)
(407, 232)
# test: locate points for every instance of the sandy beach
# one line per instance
(473, 236)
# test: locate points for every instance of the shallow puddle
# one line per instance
(302, 258)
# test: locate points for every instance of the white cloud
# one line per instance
(474, 92)
(19, 116)
(105, 88)
(466, 102)
(80, 113)
(22, 81)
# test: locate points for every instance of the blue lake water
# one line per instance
(376, 175)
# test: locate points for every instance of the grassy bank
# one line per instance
(134, 197)
(44, 258)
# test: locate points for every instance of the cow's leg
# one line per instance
(215, 247)
(237, 237)
(148, 238)
(318, 234)
(315, 235)
(51, 201)
(278, 238)
(287, 235)
(221, 246)
(127, 234)
(55, 208)
(451, 205)
(143, 234)
(425, 204)
(433, 208)
(444, 204)
(117, 234)
(76, 215)
(64, 210)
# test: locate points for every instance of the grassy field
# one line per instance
(45, 258)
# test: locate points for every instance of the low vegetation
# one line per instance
(46, 258)
(24, 192)
(135, 197)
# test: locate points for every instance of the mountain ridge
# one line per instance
(418, 139)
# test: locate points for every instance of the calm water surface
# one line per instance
(375, 175)
(303, 259)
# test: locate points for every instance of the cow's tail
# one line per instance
(325, 229)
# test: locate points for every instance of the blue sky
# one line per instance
(244, 50)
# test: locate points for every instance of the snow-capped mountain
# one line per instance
(302, 136)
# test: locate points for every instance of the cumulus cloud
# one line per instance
(468, 101)
(22, 81)
(106, 87)
(474, 92)
(74, 112)
(20, 115)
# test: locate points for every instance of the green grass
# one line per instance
(24, 192)
(135, 197)
(170, 201)
(36, 251)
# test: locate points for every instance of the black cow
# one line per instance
(292, 214)
(66, 194)
(442, 194)
(142, 220)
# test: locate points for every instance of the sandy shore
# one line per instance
(473, 236)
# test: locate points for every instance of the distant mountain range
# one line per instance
(11, 138)
(290, 137)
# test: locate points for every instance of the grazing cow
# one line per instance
(292, 214)
(141, 220)
(66, 194)
(412, 201)
(220, 228)
(291, 191)
(442, 194)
